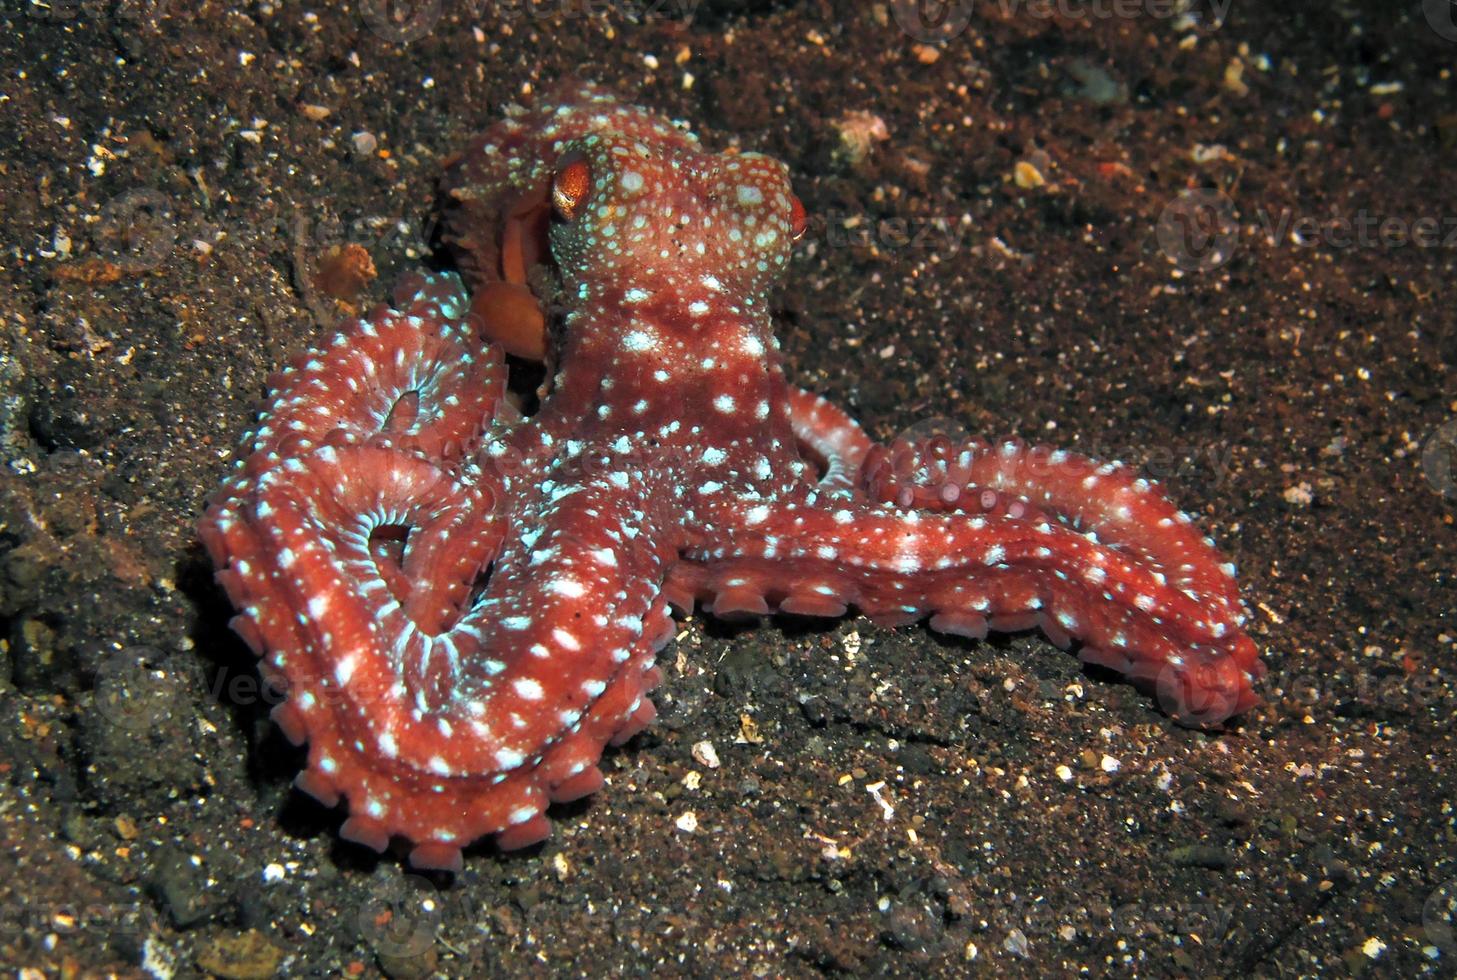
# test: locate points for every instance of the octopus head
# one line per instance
(657, 224)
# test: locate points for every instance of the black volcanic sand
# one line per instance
(176, 180)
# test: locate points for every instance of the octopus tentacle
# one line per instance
(353, 386)
(974, 573)
(353, 506)
(835, 439)
(1108, 500)
(375, 680)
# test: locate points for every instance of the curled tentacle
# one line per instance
(402, 697)
(413, 372)
(354, 543)
(832, 437)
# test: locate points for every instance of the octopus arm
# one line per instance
(437, 724)
(830, 437)
(974, 572)
(354, 540)
(1107, 501)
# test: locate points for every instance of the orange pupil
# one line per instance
(569, 188)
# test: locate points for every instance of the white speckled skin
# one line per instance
(670, 461)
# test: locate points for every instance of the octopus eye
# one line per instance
(798, 220)
(570, 186)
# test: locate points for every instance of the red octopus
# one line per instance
(463, 605)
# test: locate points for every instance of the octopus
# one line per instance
(462, 600)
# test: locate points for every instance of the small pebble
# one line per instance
(706, 754)
(1299, 495)
(1201, 856)
(1027, 176)
(240, 956)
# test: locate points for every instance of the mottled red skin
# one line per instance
(670, 461)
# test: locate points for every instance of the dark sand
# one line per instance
(172, 176)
